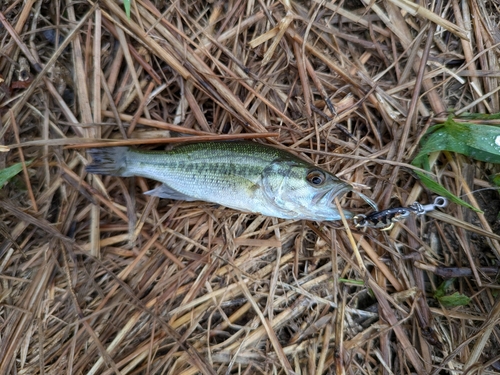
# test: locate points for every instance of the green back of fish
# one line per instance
(246, 159)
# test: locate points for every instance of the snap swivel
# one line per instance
(385, 219)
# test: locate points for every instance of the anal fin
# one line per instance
(165, 191)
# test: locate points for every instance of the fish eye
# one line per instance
(316, 177)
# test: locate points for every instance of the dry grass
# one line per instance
(96, 278)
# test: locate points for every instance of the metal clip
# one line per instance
(385, 219)
(420, 209)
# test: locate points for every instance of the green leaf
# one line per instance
(443, 287)
(495, 179)
(442, 191)
(9, 172)
(480, 116)
(456, 299)
(126, 5)
(480, 142)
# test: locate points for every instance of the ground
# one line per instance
(98, 278)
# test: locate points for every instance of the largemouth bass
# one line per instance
(245, 176)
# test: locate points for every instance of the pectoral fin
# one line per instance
(165, 191)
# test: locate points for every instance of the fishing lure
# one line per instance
(385, 219)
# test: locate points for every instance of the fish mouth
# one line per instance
(336, 193)
(328, 198)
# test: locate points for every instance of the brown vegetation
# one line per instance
(97, 278)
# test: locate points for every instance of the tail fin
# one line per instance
(108, 161)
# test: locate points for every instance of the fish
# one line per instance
(242, 175)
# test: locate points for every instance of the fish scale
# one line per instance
(245, 176)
